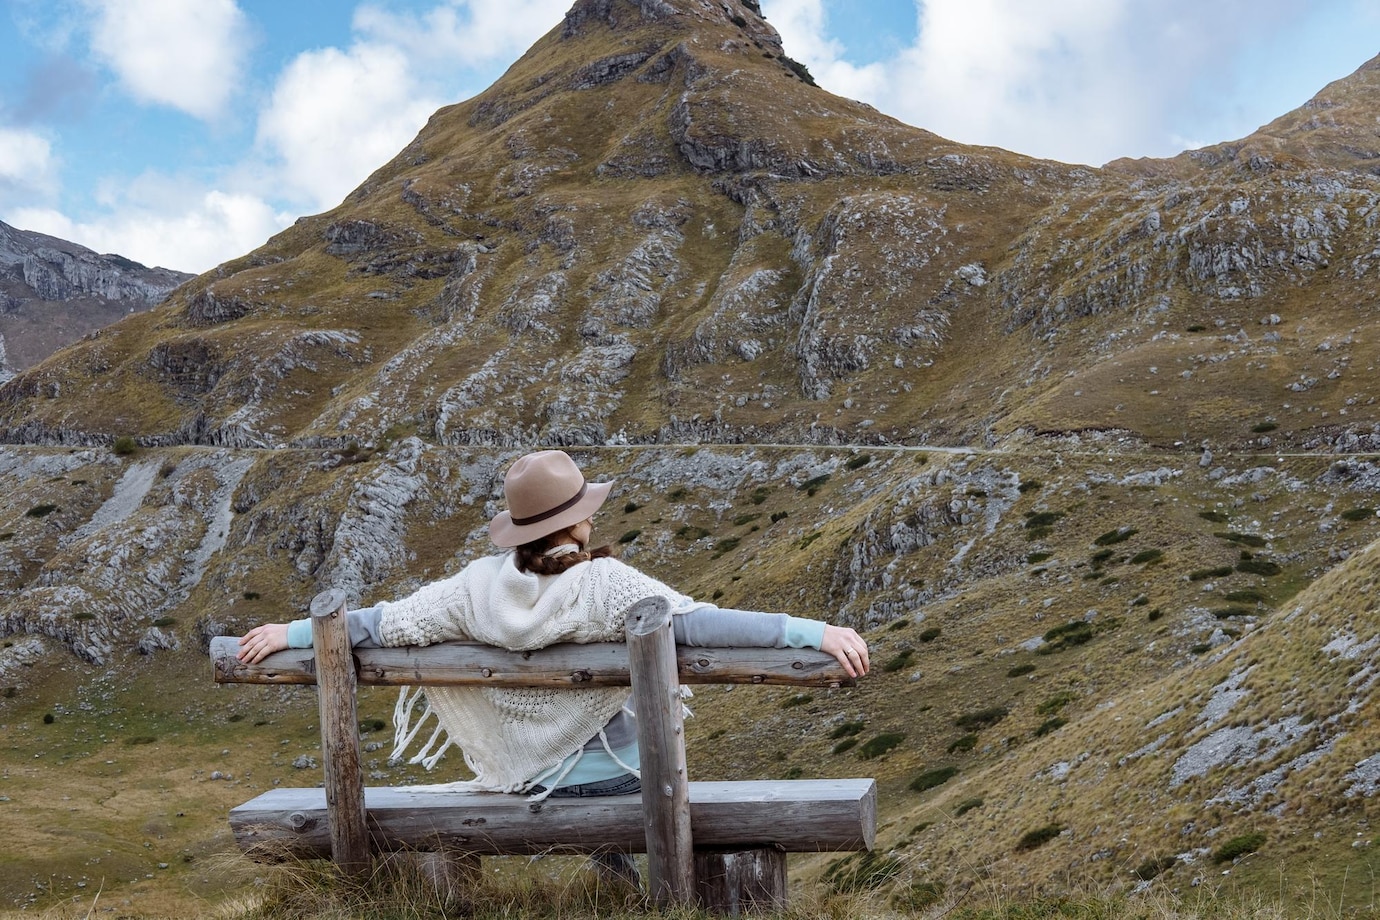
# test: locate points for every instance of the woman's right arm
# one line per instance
(264, 640)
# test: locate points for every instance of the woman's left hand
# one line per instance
(848, 647)
(262, 641)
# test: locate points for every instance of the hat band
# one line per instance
(564, 506)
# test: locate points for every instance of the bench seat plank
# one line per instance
(596, 664)
(796, 816)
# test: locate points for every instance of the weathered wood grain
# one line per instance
(804, 815)
(597, 664)
(340, 754)
(661, 745)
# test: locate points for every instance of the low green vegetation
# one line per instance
(1112, 537)
(980, 719)
(902, 659)
(1039, 836)
(881, 744)
(932, 778)
(1237, 847)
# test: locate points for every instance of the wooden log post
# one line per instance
(661, 740)
(738, 881)
(340, 754)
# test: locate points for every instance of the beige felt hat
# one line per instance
(546, 492)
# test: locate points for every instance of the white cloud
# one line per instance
(472, 31)
(336, 116)
(187, 55)
(27, 164)
(208, 230)
(1082, 81)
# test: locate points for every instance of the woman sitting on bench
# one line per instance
(550, 588)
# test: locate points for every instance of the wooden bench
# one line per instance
(719, 844)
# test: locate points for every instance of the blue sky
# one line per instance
(186, 132)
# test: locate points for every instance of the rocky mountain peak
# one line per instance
(742, 15)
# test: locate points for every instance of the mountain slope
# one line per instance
(53, 292)
(1087, 454)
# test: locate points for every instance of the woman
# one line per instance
(551, 588)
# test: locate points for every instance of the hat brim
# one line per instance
(503, 532)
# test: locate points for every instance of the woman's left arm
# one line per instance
(698, 623)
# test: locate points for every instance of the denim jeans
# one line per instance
(627, 784)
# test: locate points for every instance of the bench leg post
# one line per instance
(340, 756)
(738, 882)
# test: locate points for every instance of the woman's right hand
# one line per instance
(262, 641)
(848, 647)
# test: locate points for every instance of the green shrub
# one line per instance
(844, 745)
(860, 872)
(799, 699)
(1217, 517)
(1219, 571)
(918, 896)
(967, 805)
(1154, 615)
(1055, 703)
(1259, 567)
(40, 511)
(1039, 836)
(881, 744)
(251, 595)
(1029, 486)
(691, 533)
(982, 718)
(932, 778)
(809, 538)
(124, 446)
(140, 739)
(1248, 596)
(1038, 533)
(1243, 539)
(677, 493)
(1035, 558)
(7, 535)
(847, 729)
(630, 536)
(1145, 557)
(372, 725)
(630, 507)
(759, 495)
(84, 615)
(799, 69)
(1237, 847)
(1141, 601)
(902, 659)
(162, 622)
(1049, 725)
(1263, 427)
(1153, 867)
(1202, 648)
(742, 519)
(1113, 537)
(1034, 519)
(930, 634)
(858, 462)
(1223, 613)
(1075, 632)
(903, 623)
(1020, 670)
(1358, 514)
(49, 718)
(963, 743)
(779, 516)
(1101, 556)
(1195, 327)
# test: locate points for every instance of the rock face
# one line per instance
(53, 292)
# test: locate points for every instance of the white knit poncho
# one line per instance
(513, 738)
